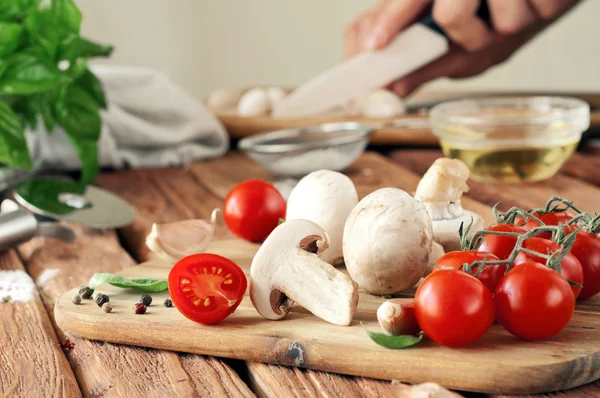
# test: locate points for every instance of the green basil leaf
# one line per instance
(45, 109)
(46, 31)
(16, 10)
(394, 342)
(145, 285)
(13, 146)
(90, 83)
(27, 74)
(43, 193)
(87, 151)
(80, 47)
(27, 108)
(10, 37)
(68, 14)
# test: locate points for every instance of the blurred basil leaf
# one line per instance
(13, 146)
(43, 193)
(10, 37)
(26, 74)
(89, 82)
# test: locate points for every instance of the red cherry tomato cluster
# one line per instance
(515, 273)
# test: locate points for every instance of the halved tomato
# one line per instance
(207, 288)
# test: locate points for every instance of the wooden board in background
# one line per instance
(499, 362)
(240, 126)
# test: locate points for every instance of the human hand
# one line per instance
(476, 45)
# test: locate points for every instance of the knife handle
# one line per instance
(483, 12)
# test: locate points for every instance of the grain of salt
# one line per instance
(46, 276)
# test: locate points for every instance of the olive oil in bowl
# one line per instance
(526, 164)
(511, 139)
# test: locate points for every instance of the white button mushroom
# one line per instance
(223, 98)
(326, 198)
(173, 241)
(387, 241)
(381, 103)
(287, 269)
(437, 251)
(440, 190)
(275, 94)
(254, 102)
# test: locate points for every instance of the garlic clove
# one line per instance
(223, 98)
(397, 317)
(381, 104)
(275, 95)
(254, 102)
(173, 241)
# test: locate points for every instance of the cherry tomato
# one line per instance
(453, 308)
(534, 302)
(206, 288)
(501, 246)
(252, 210)
(587, 250)
(490, 276)
(571, 268)
(552, 218)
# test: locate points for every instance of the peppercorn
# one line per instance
(76, 299)
(146, 299)
(6, 299)
(139, 308)
(101, 299)
(86, 293)
(168, 303)
(107, 307)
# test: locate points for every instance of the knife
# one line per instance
(414, 47)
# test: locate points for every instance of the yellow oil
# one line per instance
(512, 164)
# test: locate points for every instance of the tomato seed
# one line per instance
(207, 302)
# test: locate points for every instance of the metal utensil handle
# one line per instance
(16, 227)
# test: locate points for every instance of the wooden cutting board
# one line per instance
(498, 363)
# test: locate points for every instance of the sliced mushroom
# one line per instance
(173, 241)
(287, 269)
(440, 190)
(326, 198)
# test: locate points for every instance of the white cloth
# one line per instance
(150, 122)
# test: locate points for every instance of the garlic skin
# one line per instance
(174, 241)
(254, 102)
(275, 95)
(381, 104)
(223, 98)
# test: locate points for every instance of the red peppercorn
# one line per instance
(139, 308)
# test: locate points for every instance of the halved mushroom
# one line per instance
(287, 269)
(440, 190)
(173, 241)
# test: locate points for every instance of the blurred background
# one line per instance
(204, 45)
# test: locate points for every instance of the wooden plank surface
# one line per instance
(110, 370)
(377, 172)
(32, 362)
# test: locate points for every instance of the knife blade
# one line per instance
(414, 47)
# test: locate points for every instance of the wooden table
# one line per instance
(34, 364)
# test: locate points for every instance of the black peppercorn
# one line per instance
(146, 299)
(101, 299)
(139, 308)
(168, 303)
(86, 293)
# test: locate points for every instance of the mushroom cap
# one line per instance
(254, 102)
(326, 198)
(437, 251)
(381, 103)
(387, 241)
(445, 232)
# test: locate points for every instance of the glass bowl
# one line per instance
(299, 151)
(511, 139)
